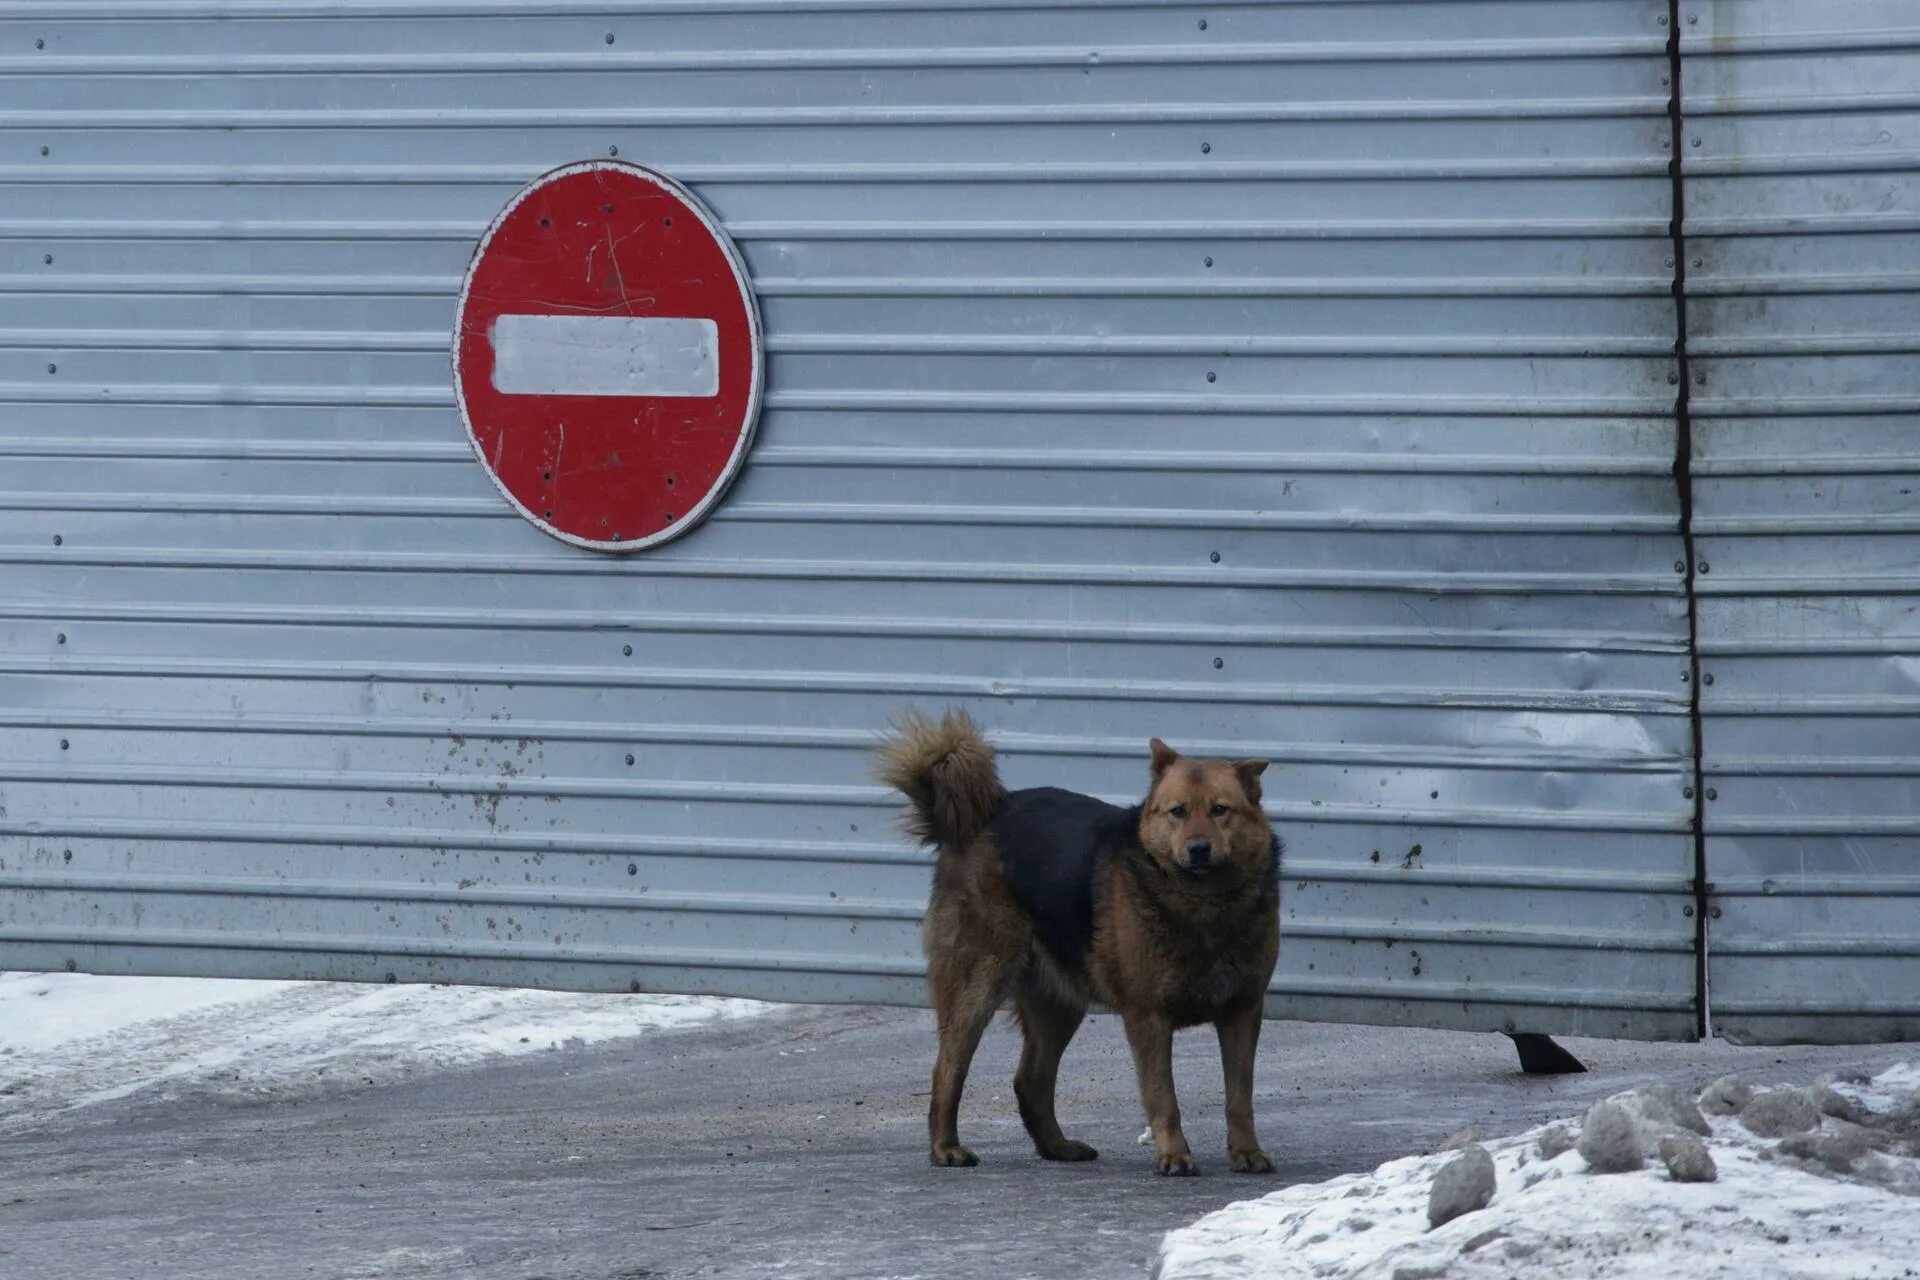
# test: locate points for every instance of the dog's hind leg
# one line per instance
(1151, 1038)
(965, 997)
(1048, 1026)
(1239, 1037)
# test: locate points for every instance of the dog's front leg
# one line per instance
(1239, 1038)
(1151, 1038)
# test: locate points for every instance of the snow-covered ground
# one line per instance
(68, 1040)
(1838, 1201)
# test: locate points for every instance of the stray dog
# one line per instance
(1167, 913)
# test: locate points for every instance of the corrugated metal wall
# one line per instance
(1283, 379)
(1803, 236)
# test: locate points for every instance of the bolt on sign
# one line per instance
(607, 356)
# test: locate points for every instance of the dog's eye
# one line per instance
(1219, 811)
(1178, 811)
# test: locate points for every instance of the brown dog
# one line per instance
(1167, 912)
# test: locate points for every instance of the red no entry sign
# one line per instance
(606, 356)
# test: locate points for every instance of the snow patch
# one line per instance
(42, 1011)
(71, 1040)
(1769, 1213)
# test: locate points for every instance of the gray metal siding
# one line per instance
(1282, 379)
(1803, 204)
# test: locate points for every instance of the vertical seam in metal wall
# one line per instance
(1683, 480)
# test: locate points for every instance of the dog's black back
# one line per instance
(1052, 844)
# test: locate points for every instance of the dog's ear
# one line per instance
(1163, 756)
(1249, 771)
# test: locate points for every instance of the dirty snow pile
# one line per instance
(68, 1040)
(1736, 1181)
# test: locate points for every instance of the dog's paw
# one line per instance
(1176, 1166)
(1071, 1151)
(954, 1157)
(1251, 1161)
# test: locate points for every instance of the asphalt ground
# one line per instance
(791, 1145)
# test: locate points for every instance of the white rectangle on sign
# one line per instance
(554, 355)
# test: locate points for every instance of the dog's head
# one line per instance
(1204, 816)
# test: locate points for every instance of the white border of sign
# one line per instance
(694, 518)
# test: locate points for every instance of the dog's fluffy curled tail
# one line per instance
(947, 774)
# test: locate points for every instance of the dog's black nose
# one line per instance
(1199, 852)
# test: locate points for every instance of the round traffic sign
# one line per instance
(607, 356)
